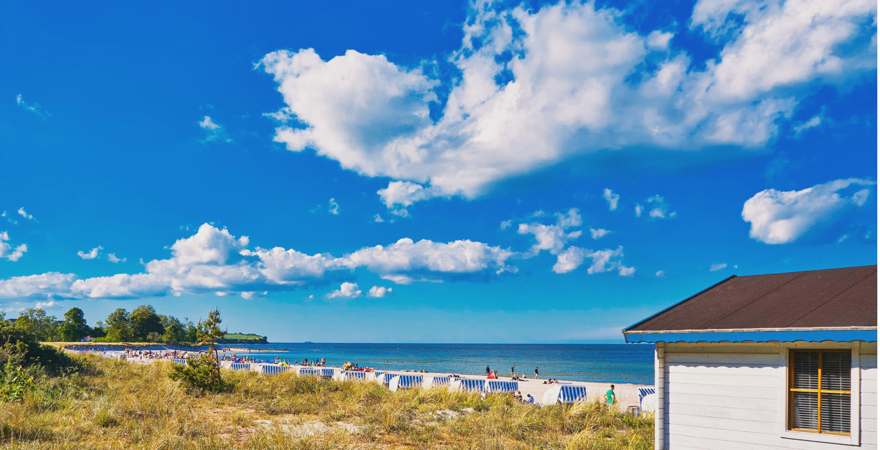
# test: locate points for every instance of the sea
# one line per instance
(611, 363)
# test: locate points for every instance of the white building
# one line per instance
(768, 361)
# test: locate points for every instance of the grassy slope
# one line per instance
(122, 405)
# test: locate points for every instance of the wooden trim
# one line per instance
(818, 391)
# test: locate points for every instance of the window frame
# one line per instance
(854, 435)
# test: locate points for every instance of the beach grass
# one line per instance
(114, 404)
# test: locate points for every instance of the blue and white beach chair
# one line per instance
(386, 378)
(440, 382)
(502, 386)
(405, 382)
(354, 375)
(326, 372)
(180, 361)
(647, 399)
(309, 372)
(273, 369)
(570, 393)
(472, 385)
(240, 366)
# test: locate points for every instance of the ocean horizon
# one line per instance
(611, 363)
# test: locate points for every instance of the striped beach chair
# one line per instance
(502, 386)
(179, 361)
(472, 385)
(440, 382)
(570, 393)
(409, 381)
(647, 399)
(309, 372)
(354, 375)
(326, 372)
(273, 369)
(240, 366)
(386, 378)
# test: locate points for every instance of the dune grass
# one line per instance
(121, 405)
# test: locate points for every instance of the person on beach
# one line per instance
(513, 371)
(610, 396)
(529, 399)
(488, 370)
(536, 372)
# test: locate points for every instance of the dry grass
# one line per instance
(122, 405)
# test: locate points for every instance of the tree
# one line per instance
(174, 330)
(145, 321)
(202, 373)
(118, 326)
(74, 326)
(36, 322)
(209, 332)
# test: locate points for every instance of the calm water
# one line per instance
(618, 363)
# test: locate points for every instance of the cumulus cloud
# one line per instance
(553, 237)
(534, 87)
(660, 274)
(599, 233)
(600, 261)
(346, 290)
(611, 198)
(656, 207)
(780, 217)
(213, 260)
(213, 131)
(115, 259)
(24, 214)
(91, 254)
(8, 251)
(379, 291)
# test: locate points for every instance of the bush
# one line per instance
(200, 375)
(15, 382)
(21, 348)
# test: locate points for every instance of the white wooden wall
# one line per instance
(732, 397)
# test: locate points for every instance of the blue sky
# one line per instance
(452, 172)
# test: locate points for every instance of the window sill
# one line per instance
(818, 437)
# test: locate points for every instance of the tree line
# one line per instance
(142, 324)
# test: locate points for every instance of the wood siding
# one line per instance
(732, 397)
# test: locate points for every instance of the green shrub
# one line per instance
(15, 382)
(200, 375)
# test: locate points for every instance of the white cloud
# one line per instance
(715, 267)
(333, 207)
(659, 40)
(599, 233)
(25, 214)
(601, 261)
(780, 217)
(115, 259)
(213, 260)
(580, 82)
(405, 193)
(379, 291)
(659, 274)
(346, 290)
(611, 198)
(553, 237)
(91, 254)
(7, 251)
(657, 208)
(377, 218)
(214, 132)
(812, 122)
(31, 107)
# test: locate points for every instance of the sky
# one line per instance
(429, 171)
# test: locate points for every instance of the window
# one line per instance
(819, 391)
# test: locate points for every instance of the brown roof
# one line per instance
(845, 297)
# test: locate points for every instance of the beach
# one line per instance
(260, 360)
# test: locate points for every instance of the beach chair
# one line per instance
(240, 366)
(326, 372)
(571, 393)
(472, 385)
(309, 372)
(405, 382)
(273, 369)
(386, 378)
(354, 375)
(647, 399)
(440, 382)
(179, 361)
(502, 386)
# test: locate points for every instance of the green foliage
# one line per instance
(118, 326)
(36, 322)
(15, 382)
(74, 326)
(200, 375)
(145, 321)
(20, 347)
(174, 331)
(208, 331)
(247, 338)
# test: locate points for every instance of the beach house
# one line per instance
(785, 360)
